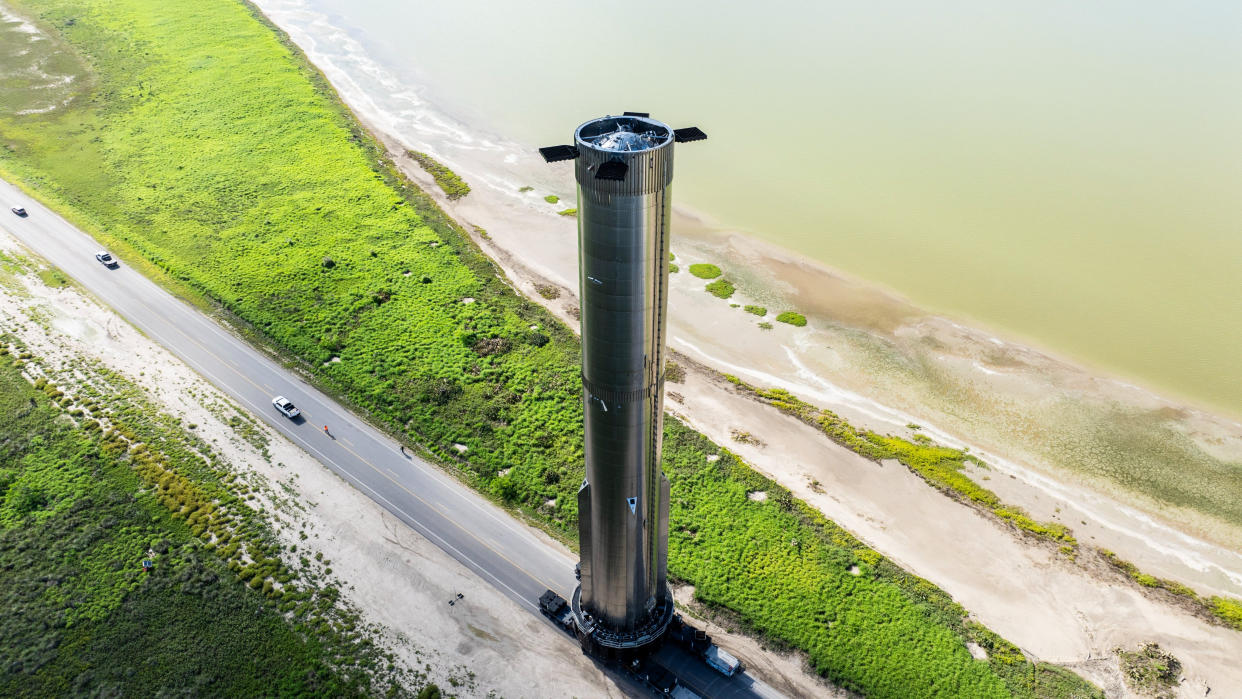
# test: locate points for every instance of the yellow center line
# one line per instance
(394, 481)
(469, 533)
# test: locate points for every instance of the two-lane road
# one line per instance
(501, 550)
(471, 529)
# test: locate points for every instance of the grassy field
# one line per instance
(210, 148)
(79, 512)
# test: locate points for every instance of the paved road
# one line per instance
(501, 550)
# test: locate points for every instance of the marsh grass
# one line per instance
(453, 186)
(795, 319)
(721, 288)
(81, 507)
(703, 270)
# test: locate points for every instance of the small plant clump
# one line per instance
(721, 288)
(765, 326)
(673, 269)
(744, 437)
(703, 270)
(1150, 671)
(572, 213)
(548, 291)
(453, 185)
(795, 319)
(551, 198)
(674, 372)
(756, 310)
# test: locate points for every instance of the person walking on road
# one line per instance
(325, 431)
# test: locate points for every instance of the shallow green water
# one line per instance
(1070, 174)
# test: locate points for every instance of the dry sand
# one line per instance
(396, 578)
(1055, 610)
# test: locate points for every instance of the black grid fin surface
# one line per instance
(554, 154)
(688, 134)
(644, 115)
(612, 170)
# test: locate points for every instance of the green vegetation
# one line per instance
(1227, 610)
(82, 506)
(721, 288)
(526, 188)
(229, 166)
(765, 326)
(452, 185)
(703, 270)
(568, 212)
(1150, 671)
(551, 198)
(1220, 609)
(795, 319)
(673, 269)
(674, 372)
(548, 291)
(756, 310)
(53, 278)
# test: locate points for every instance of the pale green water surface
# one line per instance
(1069, 172)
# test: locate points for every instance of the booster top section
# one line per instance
(627, 155)
(624, 156)
(623, 134)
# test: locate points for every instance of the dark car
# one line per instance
(106, 259)
(19, 210)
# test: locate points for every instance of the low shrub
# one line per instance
(703, 270)
(795, 319)
(721, 288)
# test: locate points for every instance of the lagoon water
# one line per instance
(1069, 174)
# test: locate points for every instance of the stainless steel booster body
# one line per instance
(623, 246)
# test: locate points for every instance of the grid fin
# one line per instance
(554, 154)
(612, 170)
(688, 134)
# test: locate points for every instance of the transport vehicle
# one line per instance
(556, 608)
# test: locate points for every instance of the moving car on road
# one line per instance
(19, 210)
(106, 259)
(286, 407)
